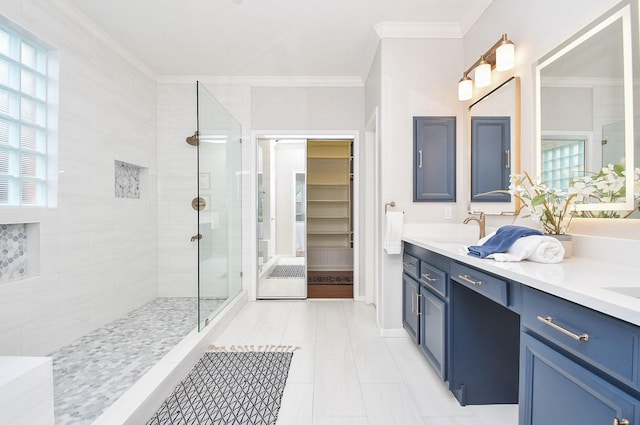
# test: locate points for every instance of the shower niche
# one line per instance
(19, 251)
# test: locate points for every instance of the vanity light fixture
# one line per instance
(500, 56)
(465, 88)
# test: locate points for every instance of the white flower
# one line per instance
(582, 189)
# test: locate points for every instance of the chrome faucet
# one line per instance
(480, 221)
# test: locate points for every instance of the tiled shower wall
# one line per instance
(177, 181)
(98, 253)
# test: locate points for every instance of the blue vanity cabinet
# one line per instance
(579, 366)
(484, 341)
(556, 390)
(433, 320)
(434, 166)
(425, 304)
(410, 298)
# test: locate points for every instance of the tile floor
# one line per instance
(93, 371)
(346, 374)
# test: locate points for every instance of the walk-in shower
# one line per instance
(91, 373)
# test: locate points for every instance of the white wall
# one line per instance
(307, 108)
(417, 78)
(98, 254)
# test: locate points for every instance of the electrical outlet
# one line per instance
(448, 213)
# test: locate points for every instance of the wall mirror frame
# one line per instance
(583, 86)
(494, 148)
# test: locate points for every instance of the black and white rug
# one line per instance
(225, 388)
(287, 271)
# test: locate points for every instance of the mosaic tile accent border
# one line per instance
(127, 180)
(13, 251)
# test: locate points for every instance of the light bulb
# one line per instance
(482, 74)
(465, 88)
(505, 55)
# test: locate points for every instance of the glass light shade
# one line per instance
(482, 74)
(465, 88)
(505, 56)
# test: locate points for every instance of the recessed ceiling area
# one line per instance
(285, 38)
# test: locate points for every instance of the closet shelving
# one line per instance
(329, 176)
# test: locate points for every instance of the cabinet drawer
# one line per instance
(489, 286)
(433, 278)
(411, 265)
(601, 340)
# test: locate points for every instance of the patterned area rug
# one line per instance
(337, 277)
(225, 388)
(290, 271)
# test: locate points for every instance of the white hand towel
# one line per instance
(393, 232)
(541, 249)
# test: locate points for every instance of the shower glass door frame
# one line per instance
(218, 206)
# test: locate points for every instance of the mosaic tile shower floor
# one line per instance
(94, 371)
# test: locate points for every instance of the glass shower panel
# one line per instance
(219, 210)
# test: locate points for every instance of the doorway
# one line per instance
(330, 218)
(304, 218)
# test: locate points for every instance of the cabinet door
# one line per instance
(432, 314)
(556, 390)
(490, 158)
(410, 291)
(434, 169)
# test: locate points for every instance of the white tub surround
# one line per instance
(26, 390)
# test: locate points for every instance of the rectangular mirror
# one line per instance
(494, 123)
(585, 114)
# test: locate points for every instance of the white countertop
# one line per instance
(578, 279)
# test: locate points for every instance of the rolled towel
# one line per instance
(538, 248)
(503, 238)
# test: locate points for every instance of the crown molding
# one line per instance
(94, 30)
(418, 30)
(265, 81)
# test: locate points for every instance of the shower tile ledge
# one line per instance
(140, 401)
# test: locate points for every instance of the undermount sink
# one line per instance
(630, 291)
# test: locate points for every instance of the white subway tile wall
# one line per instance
(98, 253)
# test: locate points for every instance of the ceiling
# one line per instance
(283, 38)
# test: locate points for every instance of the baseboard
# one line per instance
(392, 333)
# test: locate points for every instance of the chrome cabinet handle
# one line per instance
(617, 421)
(413, 301)
(196, 237)
(507, 153)
(548, 320)
(407, 264)
(418, 304)
(467, 279)
(420, 158)
(428, 277)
